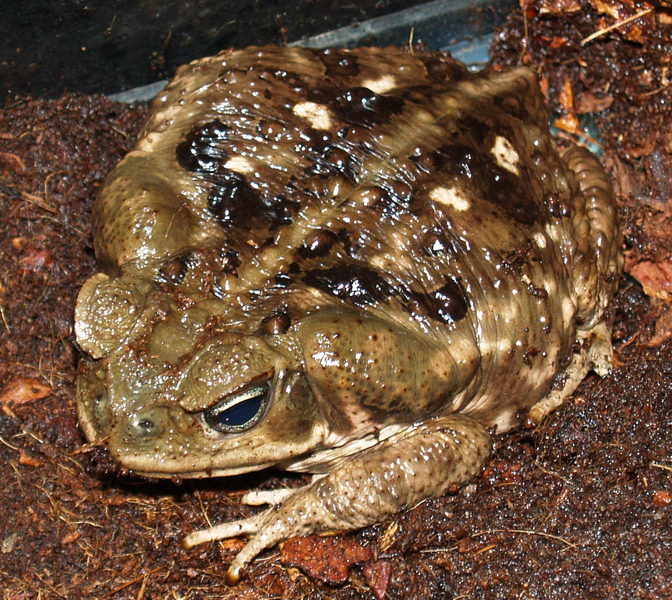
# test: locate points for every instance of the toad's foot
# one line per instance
(596, 354)
(266, 497)
(404, 470)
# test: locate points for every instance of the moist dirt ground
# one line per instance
(580, 507)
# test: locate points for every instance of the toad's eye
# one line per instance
(239, 412)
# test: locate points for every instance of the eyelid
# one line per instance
(246, 394)
(255, 382)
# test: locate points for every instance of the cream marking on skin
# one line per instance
(382, 85)
(506, 155)
(239, 164)
(317, 115)
(450, 197)
(540, 239)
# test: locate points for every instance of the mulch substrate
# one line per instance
(580, 507)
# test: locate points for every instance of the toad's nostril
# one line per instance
(146, 425)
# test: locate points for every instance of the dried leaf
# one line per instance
(70, 537)
(556, 7)
(326, 558)
(26, 459)
(24, 390)
(568, 121)
(633, 20)
(587, 102)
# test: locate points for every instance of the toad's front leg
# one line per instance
(420, 463)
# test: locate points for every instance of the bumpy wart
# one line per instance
(352, 263)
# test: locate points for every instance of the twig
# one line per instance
(125, 585)
(6, 443)
(46, 184)
(205, 513)
(37, 201)
(601, 32)
(4, 319)
(662, 88)
(491, 531)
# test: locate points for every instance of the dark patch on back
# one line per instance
(287, 77)
(317, 244)
(425, 160)
(270, 130)
(434, 243)
(344, 238)
(202, 151)
(509, 192)
(478, 130)
(283, 280)
(512, 105)
(229, 261)
(442, 71)
(339, 64)
(447, 304)
(334, 160)
(398, 198)
(235, 204)
(231, 200)
(312, 141)
(278, 209)
(363, 107)
(356, 284)
(353, 134)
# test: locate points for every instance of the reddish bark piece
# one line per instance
(26, 459)
(378, 577)
(35, 259)
(70, 537)
(662, 498)
(24, 390)
(12, 162)
(503, 472)
(655, 277)
(326, 558)
(588, 102)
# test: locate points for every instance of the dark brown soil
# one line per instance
(579, 508)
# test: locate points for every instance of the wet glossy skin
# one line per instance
(351, 263)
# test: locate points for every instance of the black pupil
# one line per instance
(238, 415)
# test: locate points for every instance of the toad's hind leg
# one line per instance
(597, 259)
(596, 265)
(414, 465)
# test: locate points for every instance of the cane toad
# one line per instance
(356, 264)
